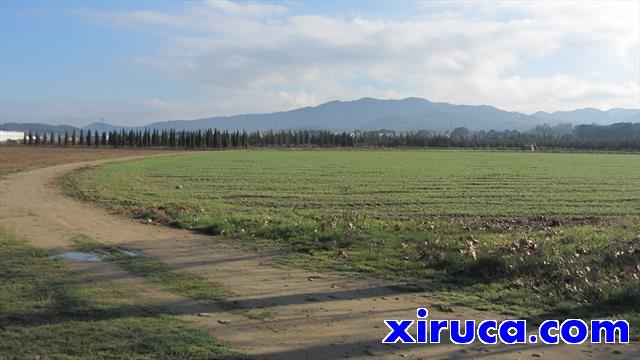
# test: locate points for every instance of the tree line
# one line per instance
(208, 139)
(217, 139)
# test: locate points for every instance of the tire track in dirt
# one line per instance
(311, 315)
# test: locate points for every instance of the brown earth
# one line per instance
(310, 315)
(19, 158)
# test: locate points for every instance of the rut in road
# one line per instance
(311, 315)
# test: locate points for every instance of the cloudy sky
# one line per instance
(136, 62)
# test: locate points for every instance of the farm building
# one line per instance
(11, 135)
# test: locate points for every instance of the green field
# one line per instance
(389, 184)
(526, 233)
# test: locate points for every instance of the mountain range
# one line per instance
(373, 114)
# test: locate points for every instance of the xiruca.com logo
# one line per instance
(570, 331)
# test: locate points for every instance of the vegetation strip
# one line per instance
(615, 137)
(50, 311)
(378, 213)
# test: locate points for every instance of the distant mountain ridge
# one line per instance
(400, 115)
(41, 127)
(590, 115)
(366, 114)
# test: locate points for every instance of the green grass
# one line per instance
(48, 310)
(388, 184)
(532, 234)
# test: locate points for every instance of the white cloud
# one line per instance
(260, 57)
(246, 9)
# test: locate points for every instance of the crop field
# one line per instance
(531, 234)
(387, 184)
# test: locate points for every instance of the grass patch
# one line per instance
(48, 310)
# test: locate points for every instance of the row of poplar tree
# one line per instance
(211, 138)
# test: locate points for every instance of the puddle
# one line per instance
(130, 253)
(83, 256)
(77, 256)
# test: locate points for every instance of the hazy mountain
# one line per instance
(368, 114)
(103, 127)
(39, 127)
(634, 118)
(373, 114)
(590, 116)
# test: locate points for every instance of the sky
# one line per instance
(135, 62)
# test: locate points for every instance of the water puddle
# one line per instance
(130, 253)
(76, 256)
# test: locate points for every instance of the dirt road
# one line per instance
(306, 315)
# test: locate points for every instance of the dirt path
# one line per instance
(311, 315)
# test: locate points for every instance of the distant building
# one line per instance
(11, 135)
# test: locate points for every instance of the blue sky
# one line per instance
(133, 62)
